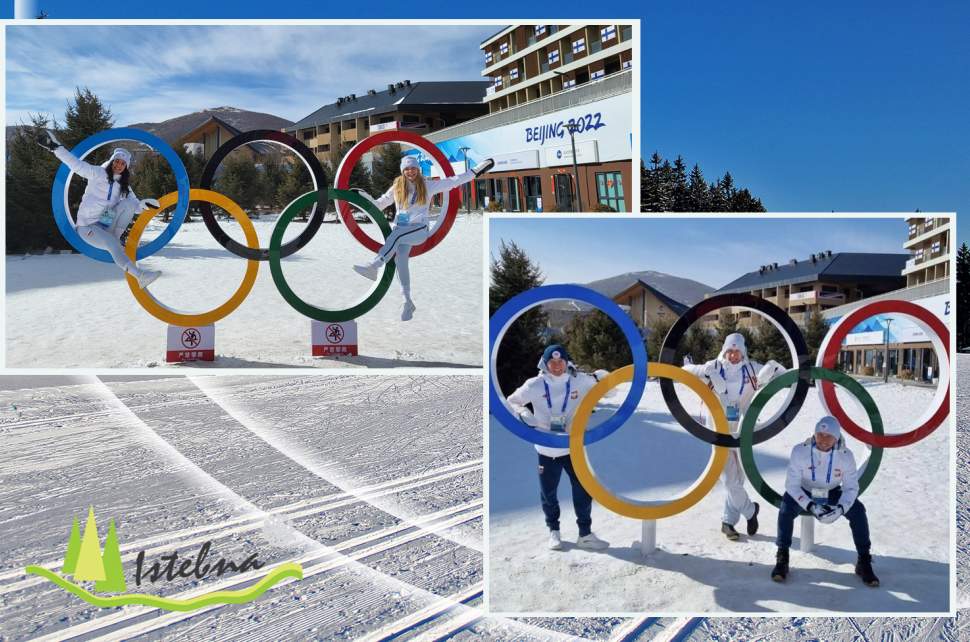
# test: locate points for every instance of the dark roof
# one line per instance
(841, 266)
(676, 306)
(234, 119)
(494, 34)
(680, 290)
(419, 96)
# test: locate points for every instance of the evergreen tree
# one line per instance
(239, 180)
(296, 181)
(512, 273)
(359, 175)
(963, 297)
(814, 332)
(385, 168)
(595, 341)
(85, 116)
(699, 344)
(727, 323)
(30, 174)
(770, 344)
(114, 581)
(656, 334)
(698, 196)
(680, 197)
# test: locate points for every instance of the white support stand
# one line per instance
(807, 533)
(648, 536)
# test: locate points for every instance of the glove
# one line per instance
(483, 167)
(687, 360)
(769, 371)
(600, 374)
(527, 418)
(713, 375)
(148, 203)
(833, 514)
(819, 511)
(46, 139)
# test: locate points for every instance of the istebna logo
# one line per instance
(86, 562)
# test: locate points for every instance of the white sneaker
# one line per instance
(555, 541)
(147, 277)
(367, 271)
(592, 542)
(407, 311)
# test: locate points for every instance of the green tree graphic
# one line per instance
(73, 548)
(114, 575)
(89, 564)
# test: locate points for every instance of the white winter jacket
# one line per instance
(735, 385)
(844, 473)
(96, 197)
(418, 212)
(533, 391)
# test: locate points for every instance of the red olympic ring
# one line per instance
(829, 358)
(342, 181)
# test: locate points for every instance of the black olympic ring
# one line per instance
(796, 343)
(316, 171)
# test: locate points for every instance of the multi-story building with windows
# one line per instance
(929, 243)
(545, 80)
(421, 107)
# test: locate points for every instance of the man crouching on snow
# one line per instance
(734, 380)
(554, 396)
(822, 479)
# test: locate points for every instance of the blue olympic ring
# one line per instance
(61, 181)
(521, 303)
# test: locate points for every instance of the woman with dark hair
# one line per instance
(108, 204)
(411, 195)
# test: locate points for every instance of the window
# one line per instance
(553, 56)
(308, 134)
(626, 32)
(514, 204)
(936, 247)
(918, 255)
(488, 57)
(579, 46)
(912, 229)
(609, 190)
(503, 48)
(608, 33)
(323, 148)
(533, 194)
(498, 81)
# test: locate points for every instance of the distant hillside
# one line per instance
(174, 128)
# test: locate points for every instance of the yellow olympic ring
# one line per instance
(638, 509)
(159, 310)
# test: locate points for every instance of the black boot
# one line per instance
(780, 572)
(863, 568)
(753, 520)
(729, 531)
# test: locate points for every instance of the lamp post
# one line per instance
(885, 365)
(464, 155)
(572, 126)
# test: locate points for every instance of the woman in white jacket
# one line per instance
(108, 204)
(735, 379)
(411, 195)
(822, 479)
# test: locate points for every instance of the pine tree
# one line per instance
(296, 182)
(666, 188)
(89, 564)
(595, 341)
(85, 116)
(699, 344)
(698, 196)
(963, 297)
(359, 175)
(770, 344)
(30, 174)
(512, 273)
(814, 332)
(680, 198)
(73, 549)
(114, 581)
(385, 168)
(239, 181)
(656, 333)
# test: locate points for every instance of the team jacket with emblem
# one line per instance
(844, 474)
(419, 211)
(99, 194)
(534, 392)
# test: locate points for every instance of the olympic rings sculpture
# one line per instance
(316, 199)
(797, 379)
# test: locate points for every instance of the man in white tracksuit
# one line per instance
(411, 195)
(554, 395)
(735, 379)
(822, 479)
(108, 204)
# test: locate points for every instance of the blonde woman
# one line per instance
(411, 196)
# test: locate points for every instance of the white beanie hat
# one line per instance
(409, 161)
(121, 153)
(830, 426)
(734, 341)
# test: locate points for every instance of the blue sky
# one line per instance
(713, 251)
(813, 106)
(152, 73)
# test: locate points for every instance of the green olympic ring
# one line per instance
(276, 242)
(780, 383)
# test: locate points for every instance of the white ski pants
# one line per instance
(109, 238)
(397, 246)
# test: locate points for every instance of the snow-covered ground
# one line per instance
(374, 483)
(695, 569)
(71, 311)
